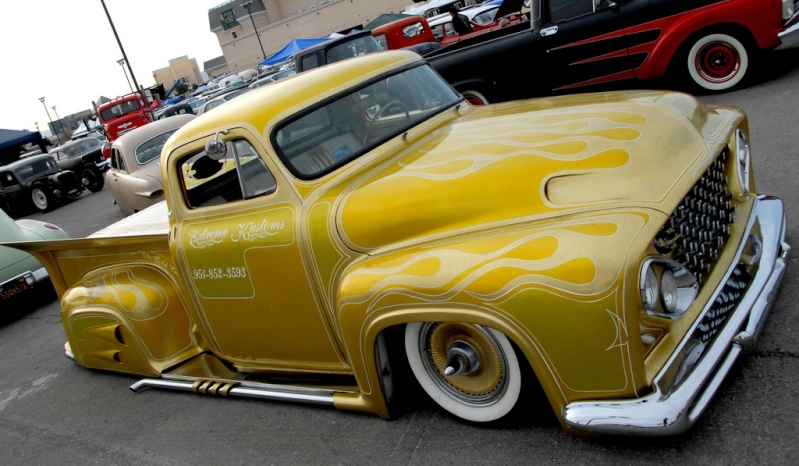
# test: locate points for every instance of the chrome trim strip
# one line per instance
(299, 394)
(670, 409)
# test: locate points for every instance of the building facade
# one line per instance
(277, 22)
(179, 68)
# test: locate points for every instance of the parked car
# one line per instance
(403, 33)
(221, 99)
(85, 158)
(180, 108)
(135, 175)
(610, 248)
(272, 78)
(581, 45)
(38, 182)
(351, 45)
(21, 274)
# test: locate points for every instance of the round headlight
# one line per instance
(649, 289)
(668, 291)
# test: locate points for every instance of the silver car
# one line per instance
(135, 175)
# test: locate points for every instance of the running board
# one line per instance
(243, 390)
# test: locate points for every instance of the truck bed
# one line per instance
(141, 237)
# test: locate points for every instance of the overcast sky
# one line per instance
(65, 51)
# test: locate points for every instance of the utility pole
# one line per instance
(125, 57)
(41, 99)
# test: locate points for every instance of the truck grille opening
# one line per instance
(699, 227)
(68, 181)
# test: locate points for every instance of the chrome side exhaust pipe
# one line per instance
(242, 390)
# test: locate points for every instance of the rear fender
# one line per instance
(127, 319)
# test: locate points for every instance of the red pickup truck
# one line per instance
(122, 115)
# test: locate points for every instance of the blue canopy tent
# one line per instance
(290, 49)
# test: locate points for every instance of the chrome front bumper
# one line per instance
(674, 407)
(789, 38)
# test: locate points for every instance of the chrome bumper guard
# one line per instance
(789, 38)
(673, 407)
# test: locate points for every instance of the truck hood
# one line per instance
(533, 160)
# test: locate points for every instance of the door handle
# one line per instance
(550, 31)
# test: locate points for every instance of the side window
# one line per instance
(563, 10)
(8, 180)
(310, 62)
(240, 174)
(117, 161)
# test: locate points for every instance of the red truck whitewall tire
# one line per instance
(485, 392)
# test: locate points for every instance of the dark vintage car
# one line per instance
(85, 158)
(180, 108)
(36, 181)
(705, 46)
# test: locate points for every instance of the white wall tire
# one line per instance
(717, 62)
(483, 393)
(475, 97)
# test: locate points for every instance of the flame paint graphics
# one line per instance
(138, 297)
(577, 261)
(566, 138)
(457, 179)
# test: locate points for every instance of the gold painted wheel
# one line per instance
(470, 370)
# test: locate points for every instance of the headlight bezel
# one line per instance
(673, 299)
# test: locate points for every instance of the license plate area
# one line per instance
(13, 288)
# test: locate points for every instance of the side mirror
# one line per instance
(216, 149)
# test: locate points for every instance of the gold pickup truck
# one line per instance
(327, 232)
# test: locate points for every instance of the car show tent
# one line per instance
(290, 49)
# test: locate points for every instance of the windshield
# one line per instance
(121, 109)
(36, 168)
(341, 129)
(81, 146)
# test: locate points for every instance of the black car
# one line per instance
(36, 181)
(85, 158)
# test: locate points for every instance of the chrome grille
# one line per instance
(725, 302)
(698, 228)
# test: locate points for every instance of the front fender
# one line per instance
(560, 291)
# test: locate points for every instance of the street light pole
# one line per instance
(121, 62)
(125, 57)
(41, 99)
(60, 123)
(246, 5)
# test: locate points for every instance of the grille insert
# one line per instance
(699, 227)
(725, 302)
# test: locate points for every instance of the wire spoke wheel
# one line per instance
(469, 370)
